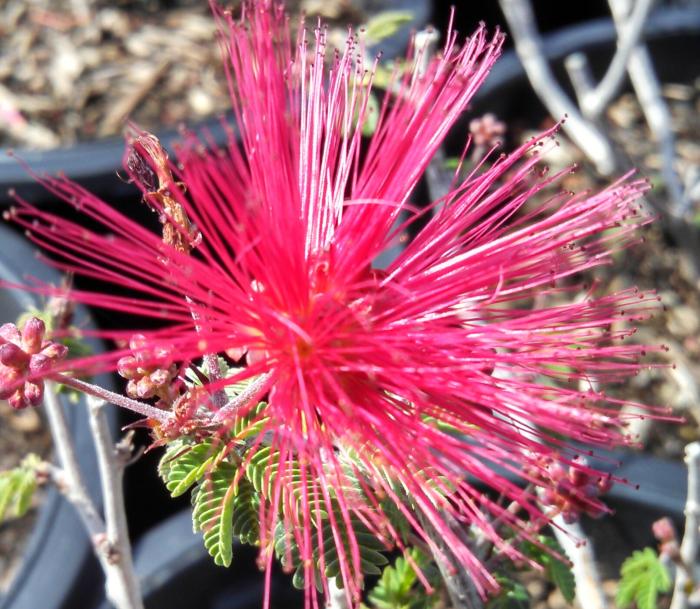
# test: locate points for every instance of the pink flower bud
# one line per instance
(33, 335)
(160, 377)
(54, 351)
(40, 363)
(17, 400)
(11, 355)
(33, 393)
(145, 388)
(137, 342)
(10, 334)
(9, 378)
(162, 354)
(663, 529)
(131, 389)
(127, 367)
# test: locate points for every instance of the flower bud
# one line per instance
(162, 354)
(8, 381)
(11, 355)
(160, 377)
(33, 393)
(10, 334)
(33, 335)
(137, 342)
(663, 529)
(131, 389)
(54, 351)
(40, 363)
(145, 388)
(17, 400)
(127, 367)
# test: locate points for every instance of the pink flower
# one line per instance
(433, 372)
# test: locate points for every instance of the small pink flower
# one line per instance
(24, 358)
(292, 213)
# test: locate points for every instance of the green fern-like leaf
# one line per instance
(386, 24)
(642, 578)
(513, 595)
(213, 503)
(183, 464)
(245, 516)
(250, 425)
(557, 571)
(263, 470)
(399, 586)
(370, 549)
(17, 487)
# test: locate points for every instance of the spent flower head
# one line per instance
(401, 390)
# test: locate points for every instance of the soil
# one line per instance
(75, 70)
(21, 432)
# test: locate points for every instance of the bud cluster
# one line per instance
(487, 130)
(149, 370)
(23, 355)
(572, 488)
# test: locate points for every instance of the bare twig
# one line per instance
(109, 536)
(579, 550)
(646, 85)
(594, 99)
(337, 597)
(114, 398)
(122, 586)
(691, 536)
(211, 363)
(254, 391)
(528, 45)
(458, 583)
(68, 478)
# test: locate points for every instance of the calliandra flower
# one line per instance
(422, 380)
(24, 356)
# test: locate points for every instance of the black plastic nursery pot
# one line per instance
(58, 570)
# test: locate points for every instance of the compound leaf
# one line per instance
(642, 578)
